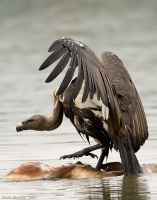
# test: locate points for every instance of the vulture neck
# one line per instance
(54, 121)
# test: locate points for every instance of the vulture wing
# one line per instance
(90, 70)
(128, 99)
(131, 110)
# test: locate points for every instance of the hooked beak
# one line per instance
(20, 127)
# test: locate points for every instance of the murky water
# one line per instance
(28, 28)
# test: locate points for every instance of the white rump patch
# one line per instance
(105, 111)
(93, 103)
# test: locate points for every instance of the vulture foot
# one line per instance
(79, 154)
(83, 152)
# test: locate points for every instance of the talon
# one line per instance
(62, 157)
(92, 155)
(78, 154)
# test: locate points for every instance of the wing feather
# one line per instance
(86, 83)
(56, 45)
(143, 122)
(59, 68)
(68, 76)
(53, 57)
(109, 88)
(91, 81)
(102, 87)
(78, 83)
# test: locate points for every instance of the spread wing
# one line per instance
(90, 70)
(128, 99)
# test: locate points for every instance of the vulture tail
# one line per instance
(130, 163)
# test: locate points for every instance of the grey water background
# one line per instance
(27, 29)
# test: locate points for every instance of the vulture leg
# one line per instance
(84, 152)
(104, 153)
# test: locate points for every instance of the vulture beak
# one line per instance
(20, 127)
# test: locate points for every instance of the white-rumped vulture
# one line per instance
(101, 102)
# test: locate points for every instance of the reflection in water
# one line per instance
(126, 188)
(134, 188)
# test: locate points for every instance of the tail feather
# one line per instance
(129, 161)
(123, 156)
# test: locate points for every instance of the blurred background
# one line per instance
(27, 29)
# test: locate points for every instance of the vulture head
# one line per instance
(44, 123)
(36, 122)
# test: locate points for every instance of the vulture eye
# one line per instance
(30, 120)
